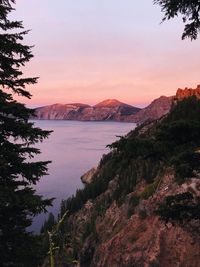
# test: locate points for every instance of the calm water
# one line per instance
(74, 148)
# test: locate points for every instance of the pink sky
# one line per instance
(91, 50)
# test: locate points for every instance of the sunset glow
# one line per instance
(91, 50)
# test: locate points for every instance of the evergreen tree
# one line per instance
(190, 11)
(19, 202)
(49, 223)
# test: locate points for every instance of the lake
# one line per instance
(74, 147)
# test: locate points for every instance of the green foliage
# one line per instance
(90, 191)
(133, 202)
(154, 263)
(101, 205)
(19, 202)
(86, 257)
(142, 214)
(90, 229)
(190, 11)
(187, 109)
(150, 189)
(178, 138)
(105, 158)
(130, 175)
(180, 208)
(117, 229)
(186, 164)
(49, 223)
(57, 240)
(179, 133)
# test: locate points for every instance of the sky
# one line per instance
(89, 50)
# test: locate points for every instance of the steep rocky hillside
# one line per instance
(158, 108)
(142, 206)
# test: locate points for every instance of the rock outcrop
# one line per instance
(187, 92)
(88, 176)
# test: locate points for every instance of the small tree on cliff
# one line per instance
(189, 9)
(18, 200)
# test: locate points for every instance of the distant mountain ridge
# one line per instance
(112, 103)
(110, 109)
(114, 110)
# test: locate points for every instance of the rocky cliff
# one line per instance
(187, 92)
(158, 108)
(87, 177)
(130, 234)
(142, 207)
(110, 109)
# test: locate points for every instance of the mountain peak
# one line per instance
(111, 103)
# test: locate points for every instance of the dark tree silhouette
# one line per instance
(190, 11)
(19, 202)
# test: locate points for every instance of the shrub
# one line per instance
(142, 214)
(133, 202)
(150, 190)
(179, 208)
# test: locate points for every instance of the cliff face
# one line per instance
(124, 217)
(110, 109)
(59, 111)
(143, 239)
(137, 237)
(187, 92)
(158, 108)
(107, 110)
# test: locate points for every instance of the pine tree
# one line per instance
(49, 223)
(188, 9)
(19, 202)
